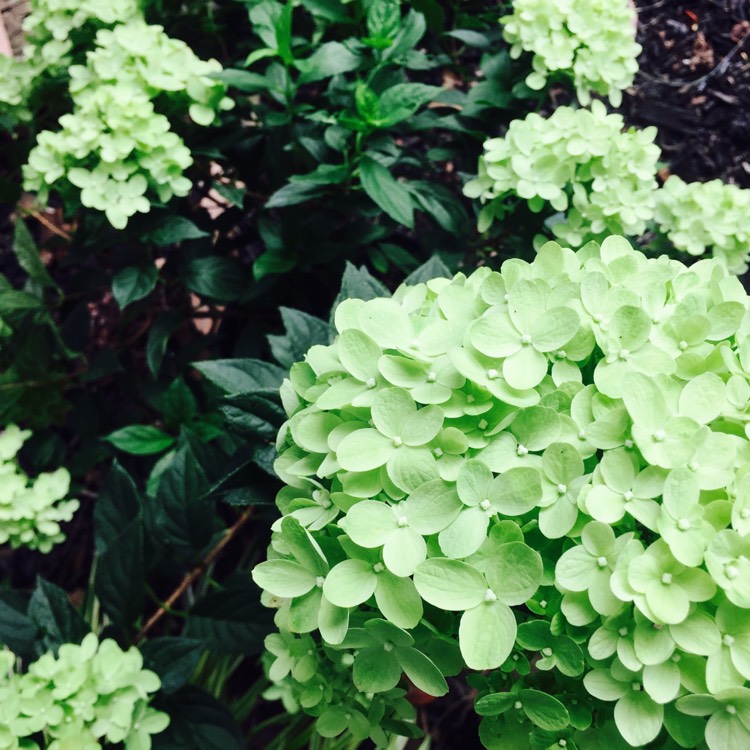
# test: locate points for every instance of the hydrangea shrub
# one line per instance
(31, 510)
(578, 161)
(88, 695)
(115, 152)
(697, 216)
(540, 474)
(590, 41)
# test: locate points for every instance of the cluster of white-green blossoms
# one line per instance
(590, 41)
(114, 151)
(87, 696)
(580, 162)
(697, 216)
(31, 510)
(545, 464)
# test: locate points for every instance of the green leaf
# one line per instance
(118, 503)
(173, 659)
(544, 710)
(389, 194)
(422, 671)
(486, 635)
(133, 283)
(450, 584)
(292, 194)
(401, 101)
(175, 229)
(329, 59)
(231, 621)
(241, 375)
(242, 80)
(182, 514)
(120, 575)
(350, 583)
(28, 258)
(222, 279)
(17, 630)
(158, 338)
(495, 704)
(56, 617)
(140, 440)
(302, 332)
(198, 721)
(434, 268)
(358, 283)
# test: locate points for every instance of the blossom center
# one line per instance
(402, 521)
(522, 450)
(431, 377)
(371, 382)
(683, 524)
(666, 579)
(727, 640)
(659, 436)
(490, 596)
(397, 442)
(562, 489)
(485, 504)
(492, 373)
(526, 339)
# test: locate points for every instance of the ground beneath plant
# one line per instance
(694, 85)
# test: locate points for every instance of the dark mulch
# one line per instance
(694, 85)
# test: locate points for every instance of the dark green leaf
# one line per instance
(184, 517)
(495, 704)
(118, 504)
(56, 617)
(119, 577)
(357, 283)
(173, 659)
(478, 39)
(28, 256)
(178, 404)
(402, 100)
(241, 375)
(230, 622)
(140, 439)
(223, 279)
(175, 229)
(254, 416)
(17, 630)
(293, 193)
(133, 283)
(302, 332)
(413, 28)
(158, 338)
(197, 722)
(434, 268)
(389, 194)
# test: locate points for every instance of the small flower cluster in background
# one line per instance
(81, 698)
(31, 510)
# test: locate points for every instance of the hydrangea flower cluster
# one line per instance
(547, 465)
(16, 79)
(579, 161)
(87, 695)
(592, 41)
(696, 216)
(52, 27)
(114, 151)
(31, 510)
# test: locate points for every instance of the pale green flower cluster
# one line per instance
(114, 147)
(578, 161)
(16, 79)
(88, 695)
(51, 27)
(31, 510)
(591, 41)
(548, 462)
(696, 216)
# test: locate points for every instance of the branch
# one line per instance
(194, 574)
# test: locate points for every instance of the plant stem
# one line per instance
(193, 575)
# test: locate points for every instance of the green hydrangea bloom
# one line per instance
(580, 162)
(52, 25)
(698, 216)
(114, 152)
(88, 695)
(591, 41)
(31, 510)
(16, 79)
(544, 464)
